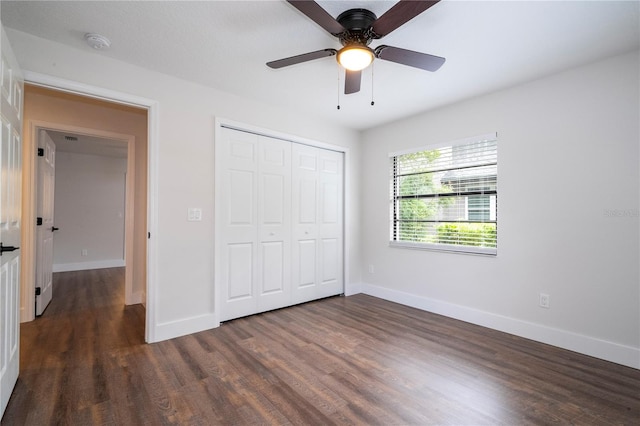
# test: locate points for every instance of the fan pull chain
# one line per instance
(338, 67)
(372, 103)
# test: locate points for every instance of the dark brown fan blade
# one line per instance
(318, 15)
(352, 81)
(399, 14)
(410, 58)
(301, 58)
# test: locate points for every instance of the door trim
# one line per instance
(152, 107)
(221, 122)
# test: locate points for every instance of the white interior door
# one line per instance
(45, 226)
(10, 218)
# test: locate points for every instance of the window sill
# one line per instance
(443, 248)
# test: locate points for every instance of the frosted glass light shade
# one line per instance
(355, 58)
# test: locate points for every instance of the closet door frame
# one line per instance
(221, 123)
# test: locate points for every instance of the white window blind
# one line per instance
(446, 197)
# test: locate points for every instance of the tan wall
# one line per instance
(67, 109)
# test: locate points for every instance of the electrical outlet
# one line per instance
(84, 252)
(544, 300)
(194, 214)
(372, 269)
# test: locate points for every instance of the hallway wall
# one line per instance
(89, 210)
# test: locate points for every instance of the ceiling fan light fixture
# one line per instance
(355, 57)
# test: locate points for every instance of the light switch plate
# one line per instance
(194, 214)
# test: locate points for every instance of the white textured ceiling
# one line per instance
(89, 145)
(225, 44)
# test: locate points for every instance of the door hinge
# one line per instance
(38, 221)
(40, 152)
(149, 235)
(38, 291)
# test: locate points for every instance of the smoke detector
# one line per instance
(97, 41)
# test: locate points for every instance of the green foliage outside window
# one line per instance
(469, 234)
(413, 210)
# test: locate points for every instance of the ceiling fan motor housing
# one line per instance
(358, 27)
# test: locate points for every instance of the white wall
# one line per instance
(89, 210)
(184, 294)
(568, 157)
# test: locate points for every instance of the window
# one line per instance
(446, 197)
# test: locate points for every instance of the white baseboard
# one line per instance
(83, 266)
(609, 351)
(136, 298)
(172, 329)
(352, 288)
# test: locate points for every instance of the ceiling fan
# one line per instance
(355, 29)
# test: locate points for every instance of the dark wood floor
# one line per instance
(353, 360)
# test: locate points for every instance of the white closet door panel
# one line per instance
(306, 158)
(305, 222)
(239, 299)
(331, 223)
(274, 189)
(274, 277)
(273, 272)
(304, 271)
(331, 193)
(308, 199)
(307, 261)
(241, 194)
(330, 267)
(237, 191)
(273, 204)
(330, 203)
(242, 149)
(240, 269)
(274, 223)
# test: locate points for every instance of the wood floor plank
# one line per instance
(346, 360)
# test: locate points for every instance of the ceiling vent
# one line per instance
(70, 138)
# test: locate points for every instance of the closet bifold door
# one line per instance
(274, 224)
(238, 223)
(279, 223)
(317, 203)
(256, 234)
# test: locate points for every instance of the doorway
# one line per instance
(74, 115)
(94, 205)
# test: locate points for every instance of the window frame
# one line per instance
(439, 247)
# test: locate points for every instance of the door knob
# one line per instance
(4, 248)
(54, 229)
